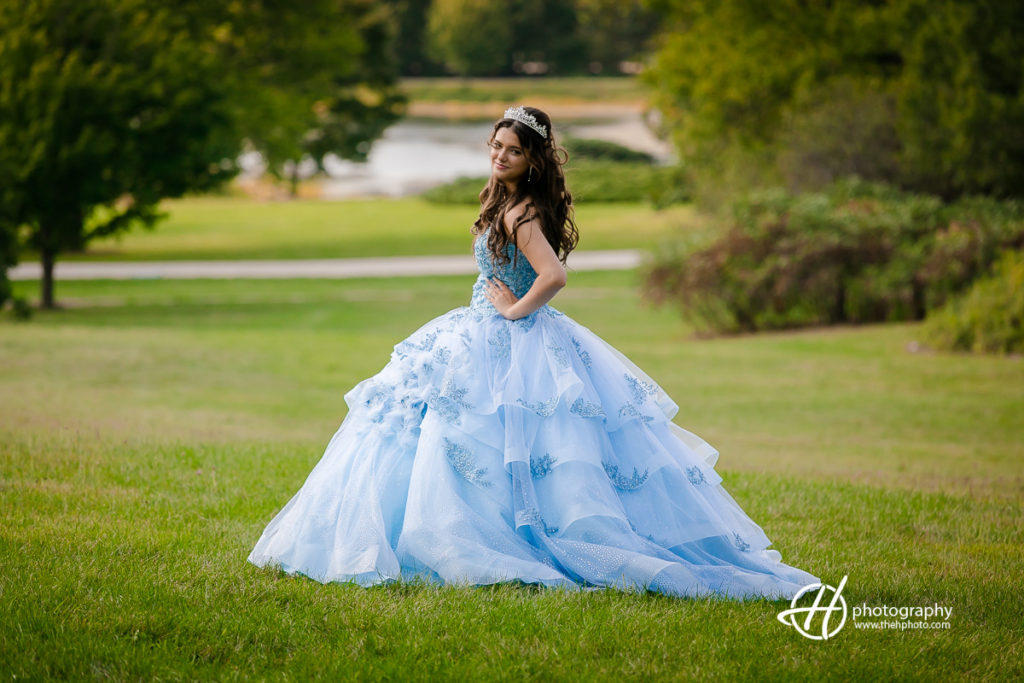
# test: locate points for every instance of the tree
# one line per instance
(547, 31)
(411, 45)
(737, 79)
(614, 30)
(104, 108)
(108, 106)
(473, 37)
(307, 79)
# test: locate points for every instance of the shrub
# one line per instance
(609, 181)
(21, 309)
(598, 171)
(460, 191)
(8, 258)
(590, 181)
(989, 317)
(858, 252)
(602, 150)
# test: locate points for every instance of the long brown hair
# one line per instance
(543, 188)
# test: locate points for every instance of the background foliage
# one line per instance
(109, 106)
(925, 94)
(474, 37)
(598, 171)
(989, 317)
(856, 253)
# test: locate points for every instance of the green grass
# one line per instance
(238, 228)
(581, 88)
(151, 430)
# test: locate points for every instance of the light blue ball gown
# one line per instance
(491, 450)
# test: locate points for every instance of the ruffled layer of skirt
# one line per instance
(490, 450)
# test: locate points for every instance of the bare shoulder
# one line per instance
(513, 215)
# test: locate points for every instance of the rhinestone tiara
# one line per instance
(519, 114)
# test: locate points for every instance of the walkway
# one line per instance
(624, 259)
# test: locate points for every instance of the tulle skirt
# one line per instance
(490, 450)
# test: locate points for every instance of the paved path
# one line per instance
(624, 259)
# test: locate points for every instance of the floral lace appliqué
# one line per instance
(442, 355)
(640, 389)
(542, 408)
(532, 517)
(623, 482)
(448, 401)
(630, 410)
(560, 355)
(526, 322)
(502, 342)
(464, 463)
(457, 316)
(582, 353)
(541, 465)
(695, 475)
(552, 312)
(740, 543)
(426, 343)
(382, 398)
(586, 408)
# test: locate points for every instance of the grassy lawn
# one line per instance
(150, 430)
(239, 228)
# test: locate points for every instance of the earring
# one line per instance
(529, 178)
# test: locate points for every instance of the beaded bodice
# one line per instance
(518, 274)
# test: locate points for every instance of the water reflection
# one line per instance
(412, 156)
(416, 154)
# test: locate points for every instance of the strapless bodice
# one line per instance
(518, 274)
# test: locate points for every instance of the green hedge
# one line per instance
(858, 252)
(602, 150)
(598, 171)
(590, 181)
(989, 317)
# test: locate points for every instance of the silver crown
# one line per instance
(519, 114)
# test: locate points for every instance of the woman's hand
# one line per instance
(498, 293)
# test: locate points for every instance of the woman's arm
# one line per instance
(550, 275)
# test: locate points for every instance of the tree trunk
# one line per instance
(48, 258)
(294, 181)
(838, 313)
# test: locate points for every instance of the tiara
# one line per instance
(519, 114)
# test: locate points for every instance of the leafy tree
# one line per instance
(739, 80)
(411, 45)
(108, 106)
(104, 108)
(473, 37)
(566, 35)
(961, 95)
(547, 31)
(614, 30)
(307, 79)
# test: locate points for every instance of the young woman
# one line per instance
(506, 442)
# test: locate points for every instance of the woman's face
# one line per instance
(508, 162)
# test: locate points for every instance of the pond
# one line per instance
(416, 154)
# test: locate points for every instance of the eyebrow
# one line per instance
(498, 142)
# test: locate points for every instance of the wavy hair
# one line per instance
(545, 192)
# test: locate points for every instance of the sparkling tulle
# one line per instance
(491, 450)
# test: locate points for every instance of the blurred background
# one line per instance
(891, 134)
(815, 210)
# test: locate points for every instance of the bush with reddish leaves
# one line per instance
(856, 253)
